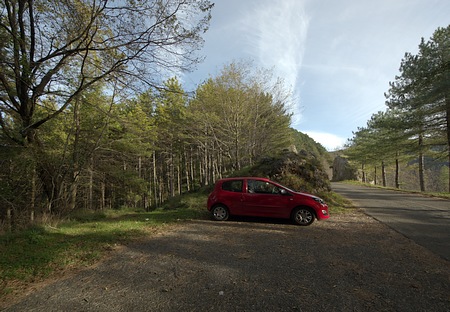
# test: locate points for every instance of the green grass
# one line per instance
(444, 195)
(337, 203)
(45, 251)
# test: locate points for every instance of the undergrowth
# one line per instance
(82, 239)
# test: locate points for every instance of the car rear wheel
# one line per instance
(220, 213)
(303, 216)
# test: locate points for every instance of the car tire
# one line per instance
(303, 216)
(220, 213)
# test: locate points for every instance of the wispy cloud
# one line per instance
(340, 55)
(276, 33)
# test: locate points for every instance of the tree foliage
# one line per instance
(55, 53)
(89, 121)
(107, 151)
(60, 49)
(241, 115)
(417, 121)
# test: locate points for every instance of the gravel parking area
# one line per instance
(350, 262)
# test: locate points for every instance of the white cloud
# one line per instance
(276, 33)
(330, 141)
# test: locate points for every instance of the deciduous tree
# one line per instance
(56, 50)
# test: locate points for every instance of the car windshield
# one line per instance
(258, 186)
(288, 189)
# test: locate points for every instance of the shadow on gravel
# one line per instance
(245, 219)
(348, 263)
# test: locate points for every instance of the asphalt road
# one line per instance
(424, 220)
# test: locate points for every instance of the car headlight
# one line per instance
(319, 200)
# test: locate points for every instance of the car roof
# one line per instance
(244, 178)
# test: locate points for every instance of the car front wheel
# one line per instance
(220, 213)
(303, 216)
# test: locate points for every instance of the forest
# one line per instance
(408, 145)
(94, 115)
(89, 123)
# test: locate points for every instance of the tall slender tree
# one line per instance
(243, 114)
(421, 92)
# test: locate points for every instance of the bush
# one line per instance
(299, 171)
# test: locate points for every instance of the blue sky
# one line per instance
(337, 56)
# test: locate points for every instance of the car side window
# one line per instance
(261, 187)
(232, 186)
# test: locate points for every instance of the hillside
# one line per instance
(304, 167)
(304, 142)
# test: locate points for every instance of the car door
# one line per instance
(265, 199)
(232, 195)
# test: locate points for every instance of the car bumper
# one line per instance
(322, 213)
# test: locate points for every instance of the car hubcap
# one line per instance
(220, 213)
(304, 216)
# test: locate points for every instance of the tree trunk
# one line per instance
(204, 170)
(51, 177)
(103, 195)
(363, 173)
(237, 162)
(155, 180)
(143, 201)
(447, 117)
(171, 173)
(383, 173)
(187, 165)
(76, 156)
(179, 175)
(397, 184)
(91, 187)
(51, 185)
(9, 218)
(375, 179)
(33, 195)
(73, 192)
(421, 165)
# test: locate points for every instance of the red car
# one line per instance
(261, 197)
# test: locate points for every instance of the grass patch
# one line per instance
(444, 195)
(83, 239)
(44, 251)
(337, 204)
(441, 195)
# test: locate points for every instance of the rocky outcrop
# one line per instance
(300, 171)
(342, 170)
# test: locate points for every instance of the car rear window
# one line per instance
(232, 186)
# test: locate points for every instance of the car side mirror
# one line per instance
(284, 192)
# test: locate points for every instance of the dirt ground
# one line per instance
(350, 262)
